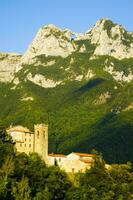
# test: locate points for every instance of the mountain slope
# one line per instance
(82, 89)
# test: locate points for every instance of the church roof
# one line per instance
(56, 155)
(83, 154)
(18, 129)
(88, 161)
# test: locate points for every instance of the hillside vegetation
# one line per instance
(82, 115)
(85, 98)
(21, 179)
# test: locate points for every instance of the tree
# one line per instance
(6, 163)
(50, 181)
(43, 195)
(21, 190)
(58, 183)
(6, 145)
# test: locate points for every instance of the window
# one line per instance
(29, 145)
(25, 139)
(59, 159)
(30, 140)
(73, 170)
(25, 145)
(37, 134)
(55, 162)
(20, 145)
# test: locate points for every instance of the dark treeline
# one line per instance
(25, 177)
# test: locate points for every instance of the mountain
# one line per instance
(80, 84)
(8, 63)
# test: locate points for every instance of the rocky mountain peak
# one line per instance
(51, 41)
(102, 22)
(51, 29)
(113, 30)
(50, 26)
(105, 38)
(111, 39)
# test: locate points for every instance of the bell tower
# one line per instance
(41, 141)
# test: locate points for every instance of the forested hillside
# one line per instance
(80, 84)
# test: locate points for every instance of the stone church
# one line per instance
(28, 141)
(37, 141)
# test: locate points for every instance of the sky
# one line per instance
(21, 19)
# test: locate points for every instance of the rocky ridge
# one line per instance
(105, 37)
(50, 41)
(111, 39)
(83, 90)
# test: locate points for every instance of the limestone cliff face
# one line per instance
(40, 80)
(8, 63)
(50, 41)
(106, 38)
(111, 39)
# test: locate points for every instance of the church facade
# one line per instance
(28, 142)
(37, 141)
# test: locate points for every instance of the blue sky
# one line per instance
(21, 19)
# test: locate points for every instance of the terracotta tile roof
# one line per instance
(84, 154)
(18, 129)
(88, 161)
(56, 155)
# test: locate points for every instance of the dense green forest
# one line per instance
(24, 177)
(82, 115)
